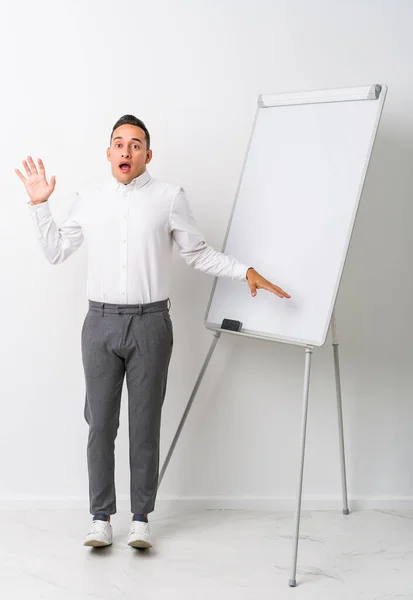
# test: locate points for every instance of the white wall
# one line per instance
(192, 71)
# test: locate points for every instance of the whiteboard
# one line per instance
(295, 209)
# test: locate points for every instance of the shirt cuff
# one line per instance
(241, 271)
(42, 209)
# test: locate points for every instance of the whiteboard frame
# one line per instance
(377, 93)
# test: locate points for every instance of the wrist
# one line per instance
(249, 269)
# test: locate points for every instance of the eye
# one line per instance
(117, 145)
(135, 146)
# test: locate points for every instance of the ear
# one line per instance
(108, 154)
(148, 157)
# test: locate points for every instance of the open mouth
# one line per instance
(125, 167)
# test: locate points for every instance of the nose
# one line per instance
(126, 154)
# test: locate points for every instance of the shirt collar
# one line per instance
(135, 184)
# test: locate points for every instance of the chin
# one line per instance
(123, 177)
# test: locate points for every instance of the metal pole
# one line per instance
(340, 415)
(308, 353)
(188, 406)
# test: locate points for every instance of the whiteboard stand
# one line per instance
(300, 188)
(306, 389)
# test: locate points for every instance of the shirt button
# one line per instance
(124, 241)
(124, 266)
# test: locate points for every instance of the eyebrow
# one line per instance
(120, 138)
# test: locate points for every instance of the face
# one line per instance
(127, 154)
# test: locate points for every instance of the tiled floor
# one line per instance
(209, 555)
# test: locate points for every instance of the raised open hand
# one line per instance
(36, 183)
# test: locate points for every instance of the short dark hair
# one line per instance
(132, 120)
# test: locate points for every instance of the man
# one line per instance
(130, 223)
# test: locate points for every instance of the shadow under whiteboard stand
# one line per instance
(292, 218)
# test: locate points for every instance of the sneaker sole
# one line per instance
(96, 543)
(140, 544)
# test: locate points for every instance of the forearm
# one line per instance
(57, 243)
(204, 258)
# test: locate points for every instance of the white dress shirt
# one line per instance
(129, 230)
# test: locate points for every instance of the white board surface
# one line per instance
(294, 213)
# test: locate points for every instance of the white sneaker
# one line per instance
(139, 535)
(100, 534)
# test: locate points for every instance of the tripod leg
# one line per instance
(308, 353)
(340, 417)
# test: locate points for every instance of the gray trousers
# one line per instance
(135, 340)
